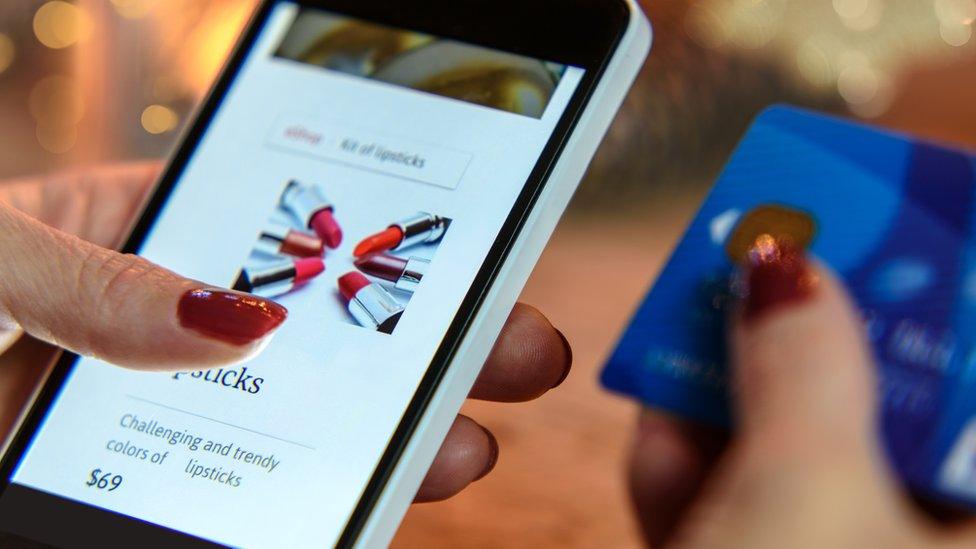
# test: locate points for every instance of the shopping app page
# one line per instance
(358, 175)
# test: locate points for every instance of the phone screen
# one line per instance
(416, 148)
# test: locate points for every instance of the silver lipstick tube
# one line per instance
(422, 228)
(413, 273)
(271, 239)
(304, 201)
(271, 281)
(374, 307)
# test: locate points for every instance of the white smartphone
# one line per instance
(421, 153)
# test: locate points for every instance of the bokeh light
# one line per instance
(158, 119)
(859, 15)
(956, 34)
(955, 20)
(867, 90)
(59, 24)
(705, 26)
(57, 105)
(56, 138)
(815, 39)
(132, 9)
(57, 100)
(107, 61)
(7, 52)
(814, 63)
(955, 11)
(756, 22)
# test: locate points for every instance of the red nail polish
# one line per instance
(231, 317)
(778, 275)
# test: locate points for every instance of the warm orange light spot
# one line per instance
(208, 45)
(956, 34)
(57, 100)
(132, 9)
(158, 119)
(6, 52)
(59, 24)
(56, 138)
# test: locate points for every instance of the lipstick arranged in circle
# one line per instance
(405, 274)
(369, 303)
(310, 206)
(422, 228)
(280, 278)
(277, 239)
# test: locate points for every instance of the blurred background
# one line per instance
(98, 81)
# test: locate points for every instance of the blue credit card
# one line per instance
(896, 219)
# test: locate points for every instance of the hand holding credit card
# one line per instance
(895, 219)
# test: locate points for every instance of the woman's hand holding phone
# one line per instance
(61, 285)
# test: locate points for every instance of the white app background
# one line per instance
(333, 392)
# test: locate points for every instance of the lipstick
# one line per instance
(277, 239)
(280, 278)
(405, 274)
(369, 303)
(310, 206)
(422, 228)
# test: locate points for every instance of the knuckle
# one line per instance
(111, 280)
(108, 284)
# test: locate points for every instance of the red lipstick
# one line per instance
(405, 274)
(369, 303)
(277, 239)
(379, 242)
(422, 228)
(310, 206)
(280, 278)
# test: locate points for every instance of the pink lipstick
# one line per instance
(405, 274)
(277, 239)
(369, 303)
(422, 228)
(310, 206)
(280, 278)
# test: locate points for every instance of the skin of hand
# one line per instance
(805, 468)
(61, 284)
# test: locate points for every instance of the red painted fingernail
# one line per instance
(568, 350)
(779, 275)
(492, 454)
(231, 317)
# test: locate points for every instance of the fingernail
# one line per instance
(778, 275)
(569, 360)
(231, 317)
(492, 454)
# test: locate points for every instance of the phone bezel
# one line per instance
(552, 30)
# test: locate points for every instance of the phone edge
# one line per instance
(460, 375)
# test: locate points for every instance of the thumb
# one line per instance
(121, 308)
(803, 370)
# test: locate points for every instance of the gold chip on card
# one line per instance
(785, 224)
